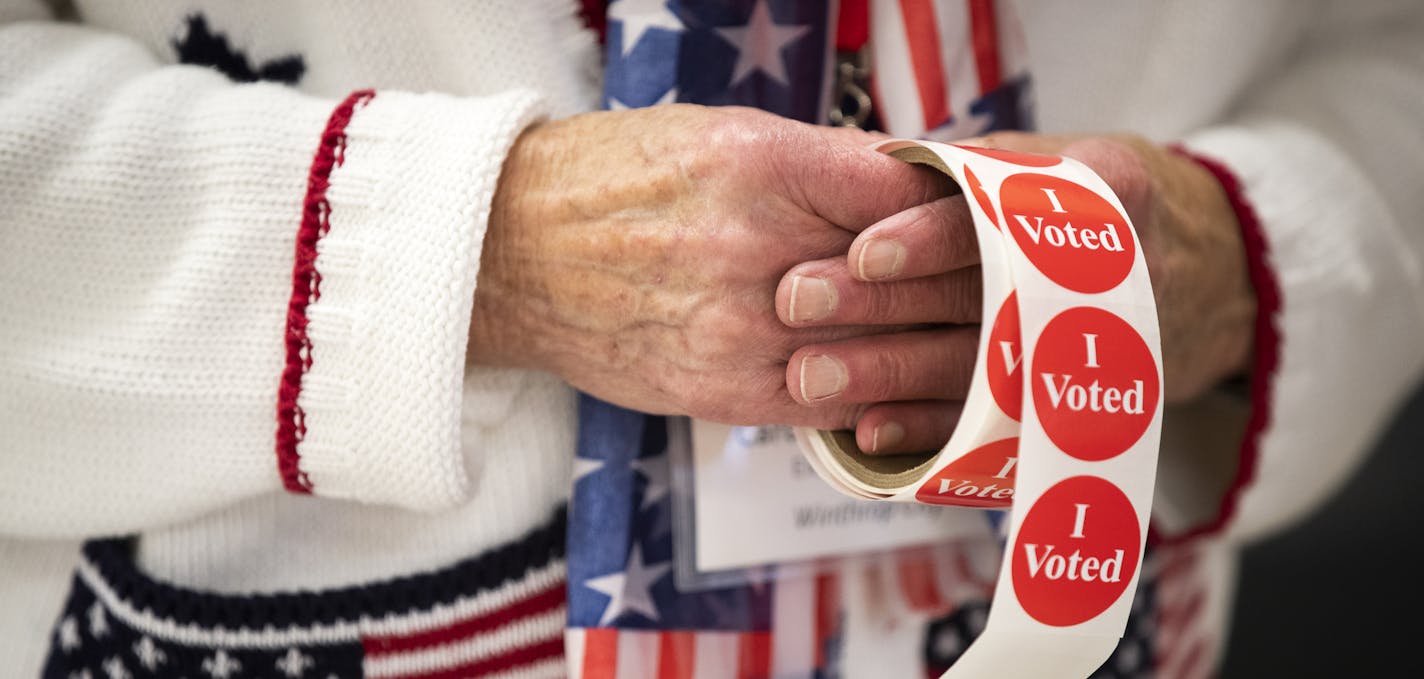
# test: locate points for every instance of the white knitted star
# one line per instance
(294, 664)
(98, 622)
(114, 667)
(149, 654)
(221, 665)
(69, 634)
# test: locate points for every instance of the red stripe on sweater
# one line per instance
(1267, 342)
(306, 288)
(541, 602)
(1190, 665)
(512, 659)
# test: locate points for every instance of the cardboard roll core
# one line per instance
(885, 472)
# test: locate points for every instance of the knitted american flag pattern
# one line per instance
(498, 614)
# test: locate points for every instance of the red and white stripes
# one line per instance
(1188, 637)
(523, 632)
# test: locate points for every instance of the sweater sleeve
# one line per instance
(210, 291)
(1324, 157)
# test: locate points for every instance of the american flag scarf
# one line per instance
(944, 73)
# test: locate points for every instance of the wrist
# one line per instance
(1223, 216)
(496, 336)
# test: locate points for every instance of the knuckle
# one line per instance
(900, 303)
(954, 233)
(739, 129)
(962, 348)
(893, 371)
(942, 211)
(835, 418)
(961, 293)
(724, 334)
(767, 338)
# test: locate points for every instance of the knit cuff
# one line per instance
(397, 205)
(1265, 344)
(1339, 301)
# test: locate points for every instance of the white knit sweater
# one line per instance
(149, 213)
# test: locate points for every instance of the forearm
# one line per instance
(188, 297)
(1327, 155)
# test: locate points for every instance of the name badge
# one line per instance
(756, 501)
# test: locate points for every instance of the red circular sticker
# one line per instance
(984, 477)
(1004, 355)
(1015, 157)
(1094, 383)
(1071, 234)
(977, 188)
(1076, 551)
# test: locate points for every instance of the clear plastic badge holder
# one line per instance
(750, 500)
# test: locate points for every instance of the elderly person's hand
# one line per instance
(636, 254)
(920, 267)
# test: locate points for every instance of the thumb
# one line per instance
(844, 181)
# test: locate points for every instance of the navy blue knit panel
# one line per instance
(89, 641)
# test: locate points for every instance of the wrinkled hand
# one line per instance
(635, 254)
(919, 266)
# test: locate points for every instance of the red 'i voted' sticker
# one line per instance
(1076, 551)
(984, 477)
(1005, 354)
(1071, 234)
(1094, 383)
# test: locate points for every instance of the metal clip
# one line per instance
(851, 105)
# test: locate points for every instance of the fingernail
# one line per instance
(822, 377)
(880, 259)
(811, 299)
(886, 435)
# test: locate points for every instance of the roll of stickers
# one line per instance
(1063, 417)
